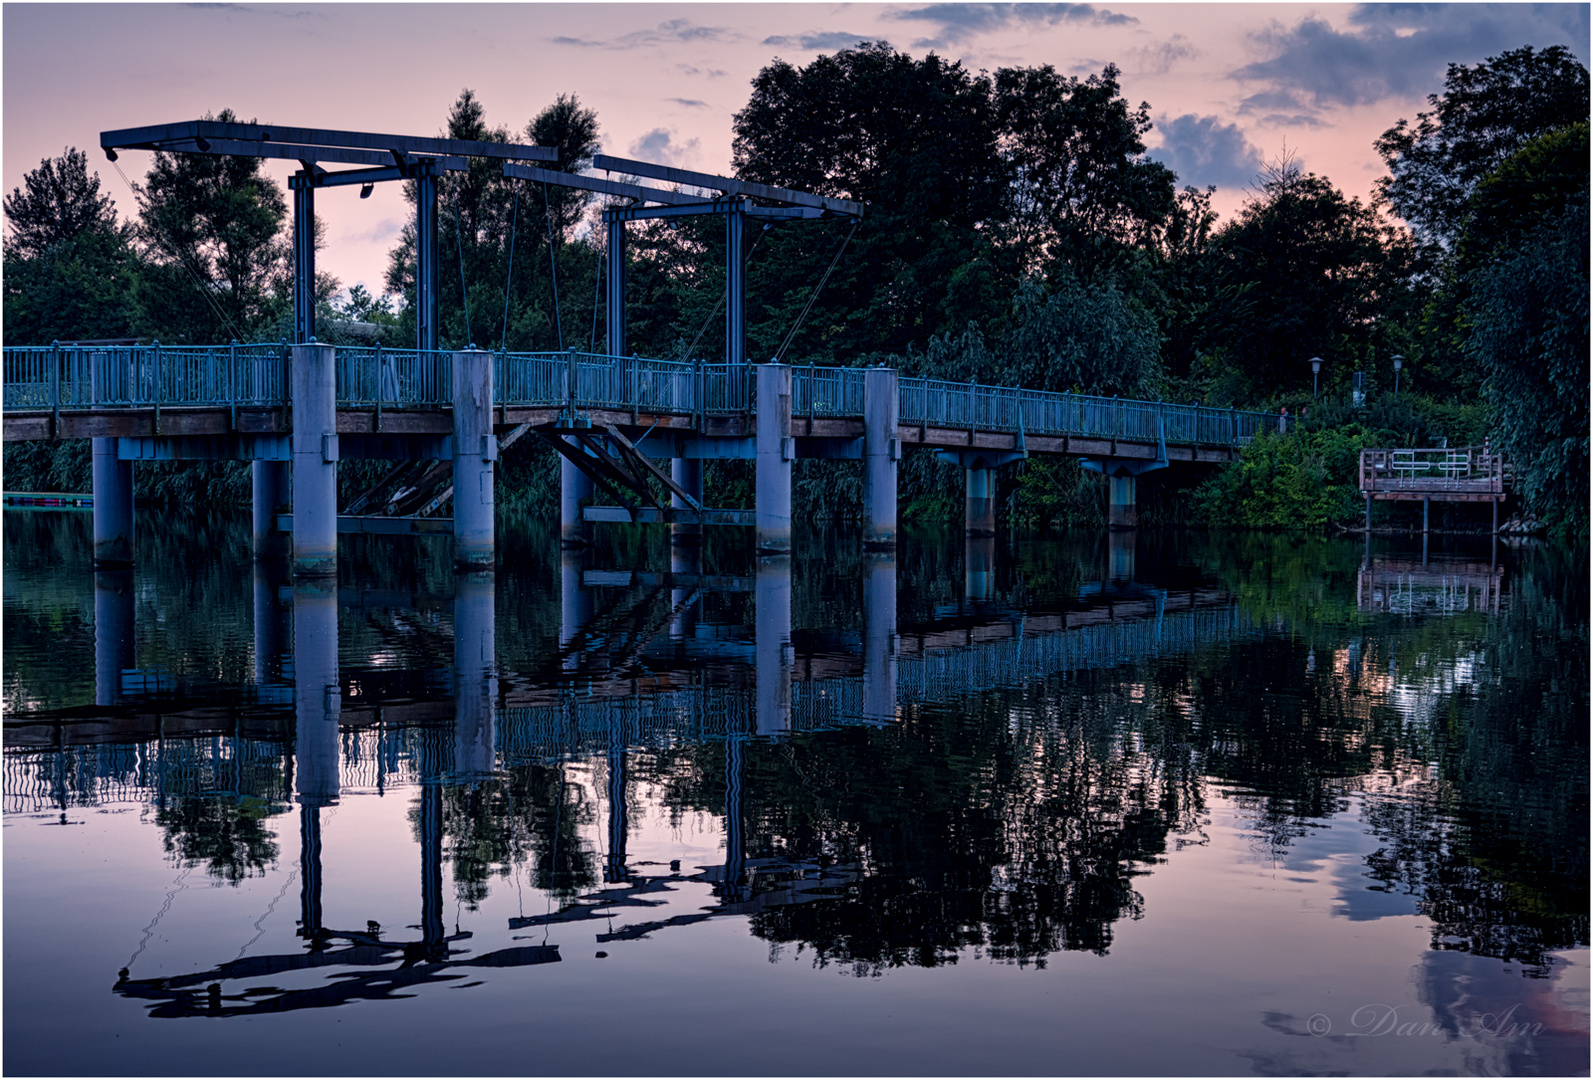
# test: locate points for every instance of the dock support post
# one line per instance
(1121, 512)
(1427, 505)
(772, 637)
(879, 636)
(475, 451)
(774, 451)
(1368, 529)
(113, 633)
(881, 405)
(113, 506)
(980, 503)
(270, 483)
(1495, 531)
(313, 390)
(687, 474)
(475, 674)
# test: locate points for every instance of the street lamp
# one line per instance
(1399, 362)
(1316, 367)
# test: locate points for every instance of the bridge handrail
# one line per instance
(138, 376)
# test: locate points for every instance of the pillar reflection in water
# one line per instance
(684, 558)
(575, 603)
(979, 569)
(113, 633)
(731, 886)
(273, 623)
(475, 675)
(1120, 555)
(879, 636)
(772, 629)
(317, 707)
(614, 868)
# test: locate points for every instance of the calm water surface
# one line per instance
(1173, 805)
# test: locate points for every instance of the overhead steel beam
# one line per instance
(721, 206)
(291, 151)
(728, 185)
(355, 176)
(603, 187)
(211, 130)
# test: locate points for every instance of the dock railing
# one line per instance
(1468, 470)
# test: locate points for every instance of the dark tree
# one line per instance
(1485, 114)
(57, 203)
(571, 128)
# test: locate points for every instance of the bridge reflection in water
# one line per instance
(645, 672)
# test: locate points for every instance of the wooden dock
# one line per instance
(1468, 474)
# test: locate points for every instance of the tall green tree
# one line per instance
(70, 268)
(572, 129)
(211, 227)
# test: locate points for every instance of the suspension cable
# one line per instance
(816, 290)
(459, 236)
(508, 281)
(597, 294)
(558, 322)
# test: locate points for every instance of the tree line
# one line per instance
(1016, 232)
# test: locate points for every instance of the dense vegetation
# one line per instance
(1016, 232)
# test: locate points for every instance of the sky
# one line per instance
(1229, 86)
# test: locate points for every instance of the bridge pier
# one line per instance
(687, 474)
(113, 506)
(475, 674)
(772, 635)
(774, 451)
(317, 693)
(114, 650)
(575, 602)
(979, 517)
(881, 451)
(684, 559)
(1121, 512)
(270, 481)
(575, 491)
(273, 623)
(879, 636)
(313, 391)
(475, 451)
(979, 567)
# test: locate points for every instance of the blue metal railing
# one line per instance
(82, 376)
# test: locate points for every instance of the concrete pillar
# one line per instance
(575, 603)
(575, 490)
(114, 650)
(881, 407)
(113, 506)
(979, 568)
(772, 498)
(684, 559)
(687, 473)
(475, 451)
(270, 480)
(313, 385)
(475, 676)
(772, 638)
(1120, 555)
(879, 636)
(317, 694)
(273, 623)
(980, 516)
(1120, 510)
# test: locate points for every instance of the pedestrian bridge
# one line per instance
(304, 407)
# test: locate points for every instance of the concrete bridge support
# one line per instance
(687, 473)
(113, 506)
(575, 491)
(774, 450)
(881, 451)
(475, 452)
(1120, 555)
(980, 511)
(114, 650)
(879, 636)
(273, 623)
(979, 568)
(772, 634)
(684, 559)
(475, 675)
(1121, 512)
(312, 385)
(271, 496)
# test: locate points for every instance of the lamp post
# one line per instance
(1399, 362)
(1316, 367)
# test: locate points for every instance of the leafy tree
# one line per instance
(1525, 268)
(69, 266)
(211, 226)
(1301, 272)
(572, 129)
(1485, 114)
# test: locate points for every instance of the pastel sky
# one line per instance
(1229, 85)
